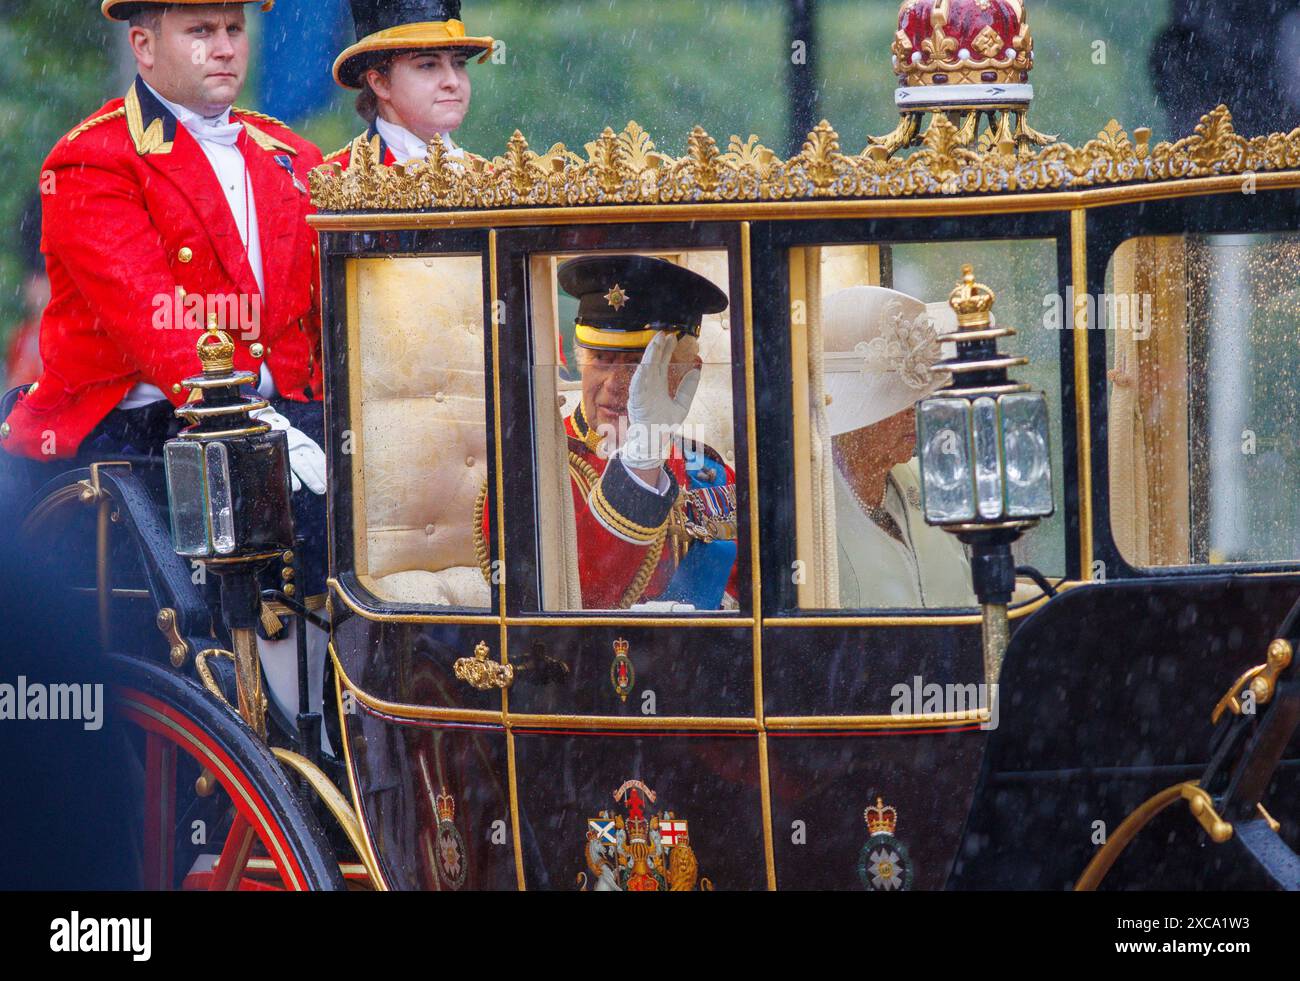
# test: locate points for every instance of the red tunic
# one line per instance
(132, 210)
(620, 522)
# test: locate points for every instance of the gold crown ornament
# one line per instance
(881, 819)
(446, 805)
(963, 42)
(966, 61)
(972, 302)
(217, 358)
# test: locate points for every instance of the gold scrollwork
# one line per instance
(625, 168)
(480, 673)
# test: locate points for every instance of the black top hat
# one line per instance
(624, 300)
(386, 26)
(123, 9)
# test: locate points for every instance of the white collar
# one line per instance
(217, 128)
(406, 145)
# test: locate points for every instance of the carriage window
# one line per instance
(1202, 398)
(864, 323)
(635, 442)
(419, 453)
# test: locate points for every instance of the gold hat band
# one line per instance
(604, 339)
(428, 34)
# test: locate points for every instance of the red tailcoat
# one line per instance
(132, 210)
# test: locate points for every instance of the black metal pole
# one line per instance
(801, 52)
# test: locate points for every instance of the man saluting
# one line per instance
(170, 209)
(655, 512)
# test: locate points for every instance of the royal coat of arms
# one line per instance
(640, 852)
(884, 865)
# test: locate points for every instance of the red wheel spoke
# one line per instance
(234, 856)
(159, 812)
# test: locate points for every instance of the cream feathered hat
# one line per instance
(879, 345)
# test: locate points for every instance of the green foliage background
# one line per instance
(573, 68)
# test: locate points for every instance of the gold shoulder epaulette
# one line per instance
(260, 115)
(91, 123)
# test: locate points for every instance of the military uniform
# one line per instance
(636, 543)
(136, 223)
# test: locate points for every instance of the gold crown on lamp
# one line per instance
(963, 42)
(882, 819)
(219, 358)
(446, 805)
(972, 301)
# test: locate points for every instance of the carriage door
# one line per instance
(629, 618)
(871, 650)
(411, 593)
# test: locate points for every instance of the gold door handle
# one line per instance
(483, 674)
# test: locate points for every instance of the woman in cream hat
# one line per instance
(879, 345)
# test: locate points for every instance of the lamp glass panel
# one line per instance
(988, 472)
(186, 497)
(948, 490)
(1027, 449)
(221, 509)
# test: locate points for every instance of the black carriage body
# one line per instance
(775, 728)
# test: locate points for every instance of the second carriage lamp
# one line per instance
(228, 490)
(986, 465)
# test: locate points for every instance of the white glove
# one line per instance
(306, 458)
(653, 416)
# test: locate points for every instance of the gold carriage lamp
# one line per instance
(986, 465)
(227, 474)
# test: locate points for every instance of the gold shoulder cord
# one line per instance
(585, 475)
(642, 578)
(259, 115)
(117, 113)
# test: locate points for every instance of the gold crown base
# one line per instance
(1007, 130)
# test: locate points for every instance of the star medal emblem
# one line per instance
(617, 297)
(883, 864)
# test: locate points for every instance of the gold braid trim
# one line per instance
(329, 157)
(480, 539)
(583, 473)
(259, 115)
(642, 578)
(91, 123)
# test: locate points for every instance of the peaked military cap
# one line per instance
(624, 300)
(390, 26)
(123, 9)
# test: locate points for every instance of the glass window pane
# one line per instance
(635, 441)
(1201, 340)
(865, 322)
(419, 452)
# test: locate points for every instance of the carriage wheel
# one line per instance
(219, 812)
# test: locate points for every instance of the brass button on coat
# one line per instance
(185, 254)
(256, 350)
(4, 430)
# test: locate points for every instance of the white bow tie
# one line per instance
(205, 131)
